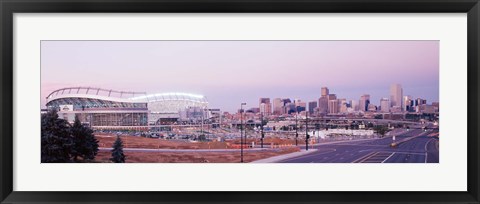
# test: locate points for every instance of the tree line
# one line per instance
(62, 142)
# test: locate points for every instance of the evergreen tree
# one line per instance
(84, 143)
(117, 152)
(382, 130)
(202, 137)
(56, 140)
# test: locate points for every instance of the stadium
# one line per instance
(111, 109)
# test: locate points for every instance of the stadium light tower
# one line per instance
(241, 131)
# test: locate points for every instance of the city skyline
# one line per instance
(227, 74)
(384, 103)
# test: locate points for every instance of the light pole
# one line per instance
(263, 134)
(296, 127)
(241, 131)
(306, 131)
(245, 133)
(317, 128)
(203, 118)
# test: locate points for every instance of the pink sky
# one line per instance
(231, 72)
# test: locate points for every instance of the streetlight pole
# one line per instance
(263, 134)
(245, 133)
(203, 118)
(306, 131)
(241, 131)
(296, 127)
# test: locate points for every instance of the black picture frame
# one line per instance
(9, 7)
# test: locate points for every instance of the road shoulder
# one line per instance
(285, 156)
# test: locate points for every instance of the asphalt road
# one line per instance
(417, 147)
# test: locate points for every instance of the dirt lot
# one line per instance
(194, 157)
(151, 143)
(186, 157)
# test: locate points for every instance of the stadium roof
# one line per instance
(122, 96)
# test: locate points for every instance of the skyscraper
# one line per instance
(354, 105)
(300, 105)
(420, 101)
(286, 102)
(396, 96)
(277, 106)
(342, 105)
(364, 102)
(333, 106)
(265, 106)
(311, 106)
(325, 91)
(323, 100)
(332, 96)
(323, 105)
(407, 103)
(385, 105)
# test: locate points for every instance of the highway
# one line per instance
(416, 147)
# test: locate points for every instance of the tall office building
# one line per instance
(342, 105)
(323, 101)
(385, 105)
(396, 96)
(354, 105)
(325, 91)
(323, 105)
(420, 101)
(286, 102)
(407, 103)
(290, 108)
(333, 106)
(311, 106)
(372, 108)
(332, 96)
(265, 106)
(436, 105)
(300, 105)
(277, 106)
(364, 102)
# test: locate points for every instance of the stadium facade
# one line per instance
(110, 109)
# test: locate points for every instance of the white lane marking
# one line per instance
(365, 150)
(410, 153)
(366, 157)
(388, 157)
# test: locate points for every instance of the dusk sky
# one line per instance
(231, 72)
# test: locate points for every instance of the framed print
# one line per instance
(263, 101)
